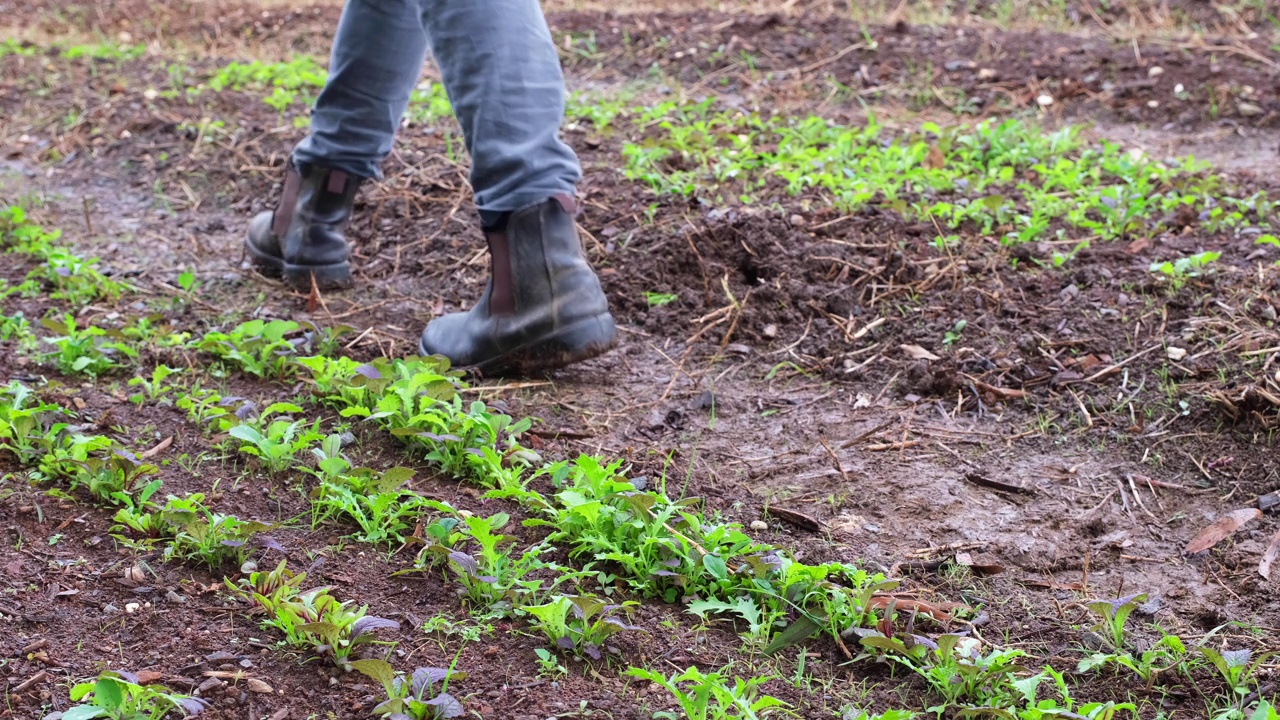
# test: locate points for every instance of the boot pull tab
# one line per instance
(337, 182)
(288, 201)
(567, 203)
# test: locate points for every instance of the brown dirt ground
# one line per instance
(849, 431)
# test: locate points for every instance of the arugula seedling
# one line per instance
(581, 623)
(117, 695)
(709, 696)
(154, 389)
(415, 697)
(1114, 614)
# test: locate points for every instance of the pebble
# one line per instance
(1044, 100)
(132, 608)
(1155, 71)
(759, 525)
(1153, 103)
(110, 609)
(987, 74)
(1248, 109)
(770, 331)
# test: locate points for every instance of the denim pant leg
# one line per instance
(503, 77)
(502, 74)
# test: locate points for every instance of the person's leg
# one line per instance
(376, 61)
(503, 77)
(543, 307)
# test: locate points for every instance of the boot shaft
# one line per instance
(537, 261)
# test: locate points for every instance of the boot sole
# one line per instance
(335, 276)
(583, 340)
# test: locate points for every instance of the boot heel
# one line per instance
(327, 277)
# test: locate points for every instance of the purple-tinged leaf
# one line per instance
(565, 643)
(228, 401)
(621, 624)
(369, 623)
(127, 676)
(474, 451)
(1237, 658)
(425, 677)
(192, 706)
(465, 561)
(399, 716)
(591, 651)
(487, 578)
(671, 562)
(664, 573)
(369, 371)
(271, 543)
(1108, 201)
(439, 438)
(245, 411)
(232, 543)
(62, 272)
(446, 706)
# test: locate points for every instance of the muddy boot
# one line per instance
(302, 239)
(543, 307)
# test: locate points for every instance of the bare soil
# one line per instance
(1113, 456)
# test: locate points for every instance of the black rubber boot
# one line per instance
(543, 307)
(302, 239)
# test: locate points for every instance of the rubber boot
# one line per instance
(301, 240)
(543, 307)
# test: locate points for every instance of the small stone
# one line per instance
(110, 609)
(1155, 71)
(1175, 353)
(346, 439)
(798, 221)
(150, 94)
(132, 608)
(134, 575)
(1044, 100)
(210, 684)
(759, 525)
(987, 74)
(1179, 89)
(1153, 103)
(770, 331)
(174, 597)
(1248, 109)
(249, 567)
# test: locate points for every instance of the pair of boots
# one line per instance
(542, 309)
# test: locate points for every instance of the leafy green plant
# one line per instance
(1064, 706)
(491, 575)
(1114, 614)
(657, 299)
(377, 503)
(580, 623)
(75, 279)
(16, 328)
(259, 347)
(154, 389)
(1238, 669)
(118, 695)
(421, 696)
(316, 620)
(1177, 272)
(955, 668)
(201, 534)
(87, 350)
(709, 696)
(549, 665)
(115, 477)
(1168, 653)
(277, 443)
(28, 428)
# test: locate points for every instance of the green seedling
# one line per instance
(580, 624)
(953, 335)
(29, 428)
(1114, 614)
(955, 668)
(155, 388)
(117, 695)
(114, 478)
(317, 621)
(421, 696)
(1064, 706)
(278, 444)
(259, 347)
(90, 351)
(376, 502)
(75, 279)
(1179, 271)
(17, 329)
(1238, 669)
(1167, 654)
(710, 696)
(656, 299)
(549, 664)
(201, 534)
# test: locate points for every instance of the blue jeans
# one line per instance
(502, 74)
